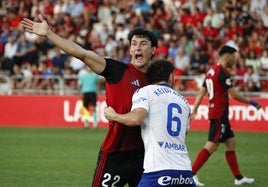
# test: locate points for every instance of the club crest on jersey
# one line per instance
(228, 82)
(136, 83)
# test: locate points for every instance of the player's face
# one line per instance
(231, 61)
(141, 52)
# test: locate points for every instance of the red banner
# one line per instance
(242, 117)
(64, 111)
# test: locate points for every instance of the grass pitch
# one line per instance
(52, 157)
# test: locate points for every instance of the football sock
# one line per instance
(232, 162)
(201, 158)
(86, 123)
(95, 121)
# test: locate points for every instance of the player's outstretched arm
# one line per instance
(243, 99)
(91, 59)
(133, 118)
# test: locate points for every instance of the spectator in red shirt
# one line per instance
(233, 28)
(185, 17)
(13, 19)
(48, 8)
(255, 43)
(89, 12)
(67, 27)
(211, 34)
(197, 17)
(241, 69)
(160, 19)
(162, 49)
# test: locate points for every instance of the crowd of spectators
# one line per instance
(189, 32)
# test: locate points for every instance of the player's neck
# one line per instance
(162, 83)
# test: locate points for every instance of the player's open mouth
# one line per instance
(138, 56)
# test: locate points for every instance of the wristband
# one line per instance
(254, 103)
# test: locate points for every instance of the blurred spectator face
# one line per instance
(16, 69)
(11, 39)
(250, 70)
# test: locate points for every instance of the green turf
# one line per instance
(39, 157)
(251, 151)
(48, 157)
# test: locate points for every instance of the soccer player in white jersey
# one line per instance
(163, 115)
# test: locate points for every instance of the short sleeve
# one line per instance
(140, 99)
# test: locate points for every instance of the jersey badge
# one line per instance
(228, 82)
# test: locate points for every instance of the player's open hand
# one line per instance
(40, 28)
(109, 112)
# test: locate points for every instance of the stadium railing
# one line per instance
(187, 85)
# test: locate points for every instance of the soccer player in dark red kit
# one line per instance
(120, 159)
(218, 85)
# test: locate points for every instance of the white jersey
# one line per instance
(164, 128)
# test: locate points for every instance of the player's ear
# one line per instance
(153, 50)
(171, 79)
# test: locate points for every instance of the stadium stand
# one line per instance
(31, 64)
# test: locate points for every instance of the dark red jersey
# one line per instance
(121, 82)
(217, 82)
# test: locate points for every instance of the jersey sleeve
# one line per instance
(140, 99)
(113, 71)
(224, 79)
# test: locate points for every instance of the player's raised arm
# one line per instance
(91, 59)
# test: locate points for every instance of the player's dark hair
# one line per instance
(226, 50)
(138, 31)
(159, 70)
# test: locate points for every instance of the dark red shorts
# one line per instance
(220, 129)
(118, 169)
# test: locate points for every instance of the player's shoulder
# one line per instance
(112, 62)
(213, 71)
(144, 89)
(114, 70)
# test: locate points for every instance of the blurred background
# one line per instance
(189, 32)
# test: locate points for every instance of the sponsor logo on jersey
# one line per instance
(168, 180)
(174, 146)
(136, 83)
(140, 99)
